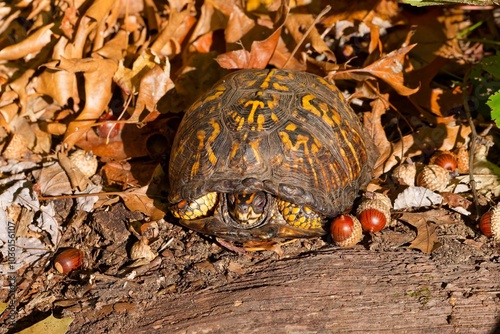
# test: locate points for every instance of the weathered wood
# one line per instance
(341, 292)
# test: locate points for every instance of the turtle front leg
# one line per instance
(197, 208)
(300, 216)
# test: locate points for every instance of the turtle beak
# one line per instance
(245, 214)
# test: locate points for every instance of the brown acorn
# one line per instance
(445, 159)
(68, 260)
(108, 128)
(485, 224)
(346, 231)
(489, 224)
(374, 214)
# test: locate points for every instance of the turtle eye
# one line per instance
(259, 200)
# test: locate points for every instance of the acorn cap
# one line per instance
(463, 160)
(433, 177)
(495, 223)
(405, 174)
(85, 161)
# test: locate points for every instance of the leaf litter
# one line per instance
(113, 77)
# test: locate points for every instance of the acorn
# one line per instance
(85, 161)
(433, 177)
(485, 224)
(346, 231)
(489, 224)
(445, 159)
(108, 128)
(68, 260)
(405, 174)
(373, 215)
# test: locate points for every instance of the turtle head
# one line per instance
(247, 208)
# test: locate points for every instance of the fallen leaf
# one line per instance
(153, 85)
(261, 51)
(426, 240)
(169, 41)
(76, 178)
(138, 200)
(32, 44)
(295, 24)
(455, 200)
(98, 75)
(389, 68)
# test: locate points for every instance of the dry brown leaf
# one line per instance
(7, 114)
(119, 173)
(238, 24)
(19, 86)
(426, 223)
(76, 178)
(261, 51)
(210, 20)
(98, 75)
(129, 79)
(53, 181)
(372, 122)
(434, 99)
(349, 10)
(154, 84)
(138, 200)
(59, 85)
(29, 46)
(93, 18)
(389, 68)
(283, 55)
(69, 20)
(234, 59)
(426, 239)
(115, 48)
(437, 33)
(43, 142)
(180, 22)
(455, 200)
(297, 23)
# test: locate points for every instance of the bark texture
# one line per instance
(348, 291)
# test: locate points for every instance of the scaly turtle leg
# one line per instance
(197, 208)
(300, 216)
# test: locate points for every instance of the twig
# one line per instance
(472, 141)
(323, 13)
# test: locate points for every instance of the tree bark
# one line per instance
(346, 291)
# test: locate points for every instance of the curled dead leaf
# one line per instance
(389, 68)
(33, 44)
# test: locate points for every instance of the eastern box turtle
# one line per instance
(267, 154)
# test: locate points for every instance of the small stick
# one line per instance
(323, 13)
